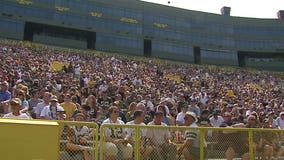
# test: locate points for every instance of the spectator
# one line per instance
(148, 103)
(78, 137)
(104, 101)
(116, 144)
(216, 120)
(131, 109)
(15, 104)
(180, 116)
(148, 114)
(194, 108)
(5, 95)
(33, 101)
(279, 121)
(40, 106)
(51, 111)
(190, 148)
(168, 120)
(160, 139)
(68, 106)
(203, 120)
(233, 148)
(22, 96)
(145, 149)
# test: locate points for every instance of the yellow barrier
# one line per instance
(29, 140)
(214, 143)
(140, 142)
(48, 140)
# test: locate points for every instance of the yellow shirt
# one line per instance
(69, 108)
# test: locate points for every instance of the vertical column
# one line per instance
(147, 48)
(196, 55)
(91, 40)
(226, 11)
(241, 59)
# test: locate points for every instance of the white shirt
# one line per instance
(180, 117)
(203, 99)
(103, 87)
(39, 107)
(279, 122)
(21, 116)
(216, 122)
(77, 70)
(158, 136)
(131, 131)
(149, 105)
(50, 113)
(113, 132)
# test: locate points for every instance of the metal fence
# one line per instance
(86, 141)
(78, 140)
(121, 142)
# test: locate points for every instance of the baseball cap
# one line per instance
(54, 98)
(16, 101)
(79, 115)
(192, 114)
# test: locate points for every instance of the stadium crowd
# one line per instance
(91, 84)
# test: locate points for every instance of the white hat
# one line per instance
(192, 114)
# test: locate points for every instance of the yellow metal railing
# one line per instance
(145, 142)
(244, 141)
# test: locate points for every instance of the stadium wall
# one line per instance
(124, 26)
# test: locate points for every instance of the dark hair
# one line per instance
(164, 110)
(137, 113)
(205, 112)
(86, 107)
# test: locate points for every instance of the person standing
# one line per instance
(190, 148)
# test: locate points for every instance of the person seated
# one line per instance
(160, 139)
(15, 104)
(78, 137)
(145, 149)
(116, 144)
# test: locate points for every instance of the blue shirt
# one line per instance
(5, 95)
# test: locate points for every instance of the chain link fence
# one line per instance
(139, 142)
(78, 141)
(86, 141)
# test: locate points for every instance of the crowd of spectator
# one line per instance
(90, 84)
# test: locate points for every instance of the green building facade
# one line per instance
(146, 29)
